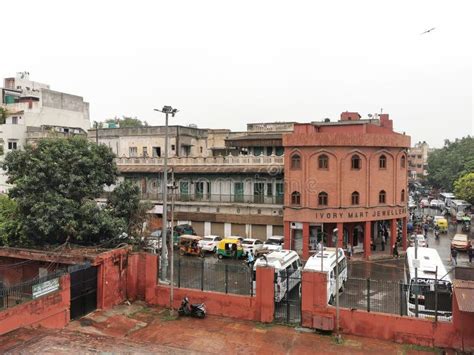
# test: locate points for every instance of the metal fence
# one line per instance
(287, 297)
(14, 295)
(393, 297)
(214, 276)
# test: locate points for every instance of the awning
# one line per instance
(464, 291)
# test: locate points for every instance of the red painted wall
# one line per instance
(13, 270)
(50, 311)
(379, 325)
(464, 325)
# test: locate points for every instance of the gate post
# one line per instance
(265, 294)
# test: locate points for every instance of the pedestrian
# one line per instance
(425, 228)
(250, 258)
(395, 251)
(349, 251)
(383, 243)
(454, 256)
(470, 253)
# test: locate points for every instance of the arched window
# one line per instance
(295, 198)
(295, 161)
(355, 198)
(383, 162)
(402, 196)
(323, 199)
(382, 195)
(403, 162)
(323, 161)
(356, 164)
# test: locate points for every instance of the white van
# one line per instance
(329, 267)
(287, 265)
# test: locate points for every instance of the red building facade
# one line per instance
(349, 175)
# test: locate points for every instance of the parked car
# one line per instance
(252, 244)
(274, 242)
(437, 204)
(460, 242)
(424, 203)
(421, 240)
(209, 243)
(184, 229)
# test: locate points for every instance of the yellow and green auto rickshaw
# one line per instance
(442, 224)
(230, 248)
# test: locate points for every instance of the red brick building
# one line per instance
(350, 175)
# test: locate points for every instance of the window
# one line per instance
(238, 192)
(418, 156)
(402, 162)
(269, 151)
(355, 198)
(402, 196)
(323, 199)
(295, 198)
(14, 120)
(382, 162)
(200, 150)
(269, 189)
(323, 162)
(279, 151)
(12, 145)
(257, 151)
(156, 152)
(382, 196)
(355, 162)
(132, 151)
(295, 161)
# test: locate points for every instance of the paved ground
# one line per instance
(139, 329)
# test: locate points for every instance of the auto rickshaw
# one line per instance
(442, 224)
(230, 248)
(189, 245)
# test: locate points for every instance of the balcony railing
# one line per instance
(217, 198)
(221, 160)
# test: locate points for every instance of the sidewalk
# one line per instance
(138, 328)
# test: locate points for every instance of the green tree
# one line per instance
(9, 223)
(55, 184)
(3, 115)
(125, 203)
(447, 164)
(125, 122)
(464, 188)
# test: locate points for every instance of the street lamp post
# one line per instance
(164, 246)
(338, 335)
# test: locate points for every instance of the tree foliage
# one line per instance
(55, 184)
(447, 164)
(9, 226)
(125, 122)
(464, 188)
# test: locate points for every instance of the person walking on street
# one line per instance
(395, 251)
(454, 256)
(470, 253)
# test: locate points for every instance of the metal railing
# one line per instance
(274, 160)
(211, 276)
(392, 297)
(19, 293)
(221, 198)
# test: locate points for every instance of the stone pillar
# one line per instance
(305, 241)
(404, 233)
(367, 238)
(340, 234)
(393, 233)
(287, 234)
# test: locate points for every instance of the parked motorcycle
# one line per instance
(192, 310)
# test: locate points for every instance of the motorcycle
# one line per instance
(436, 233)
(192, 310)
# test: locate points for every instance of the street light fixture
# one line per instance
(167, 110)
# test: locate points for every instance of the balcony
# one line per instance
(213, 198)
(206, 161)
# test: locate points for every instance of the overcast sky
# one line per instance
(226, 63)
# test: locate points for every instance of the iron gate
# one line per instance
(83, 292)
(288, 296)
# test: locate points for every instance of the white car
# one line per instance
(420, 238)
(274, 243)
(424, 203)
(209, 243)
(437, 204)
(251, 244)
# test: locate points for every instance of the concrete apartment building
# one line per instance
(418, 160)
(34, 111)
(227, 183)
(350, 175)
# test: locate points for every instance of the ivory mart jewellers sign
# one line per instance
(45, 287)
(356, 215)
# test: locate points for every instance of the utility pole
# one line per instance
(164, 246)
(173, 189)
(338, 335)
(416, 275)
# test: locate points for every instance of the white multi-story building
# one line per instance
(34, 111)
